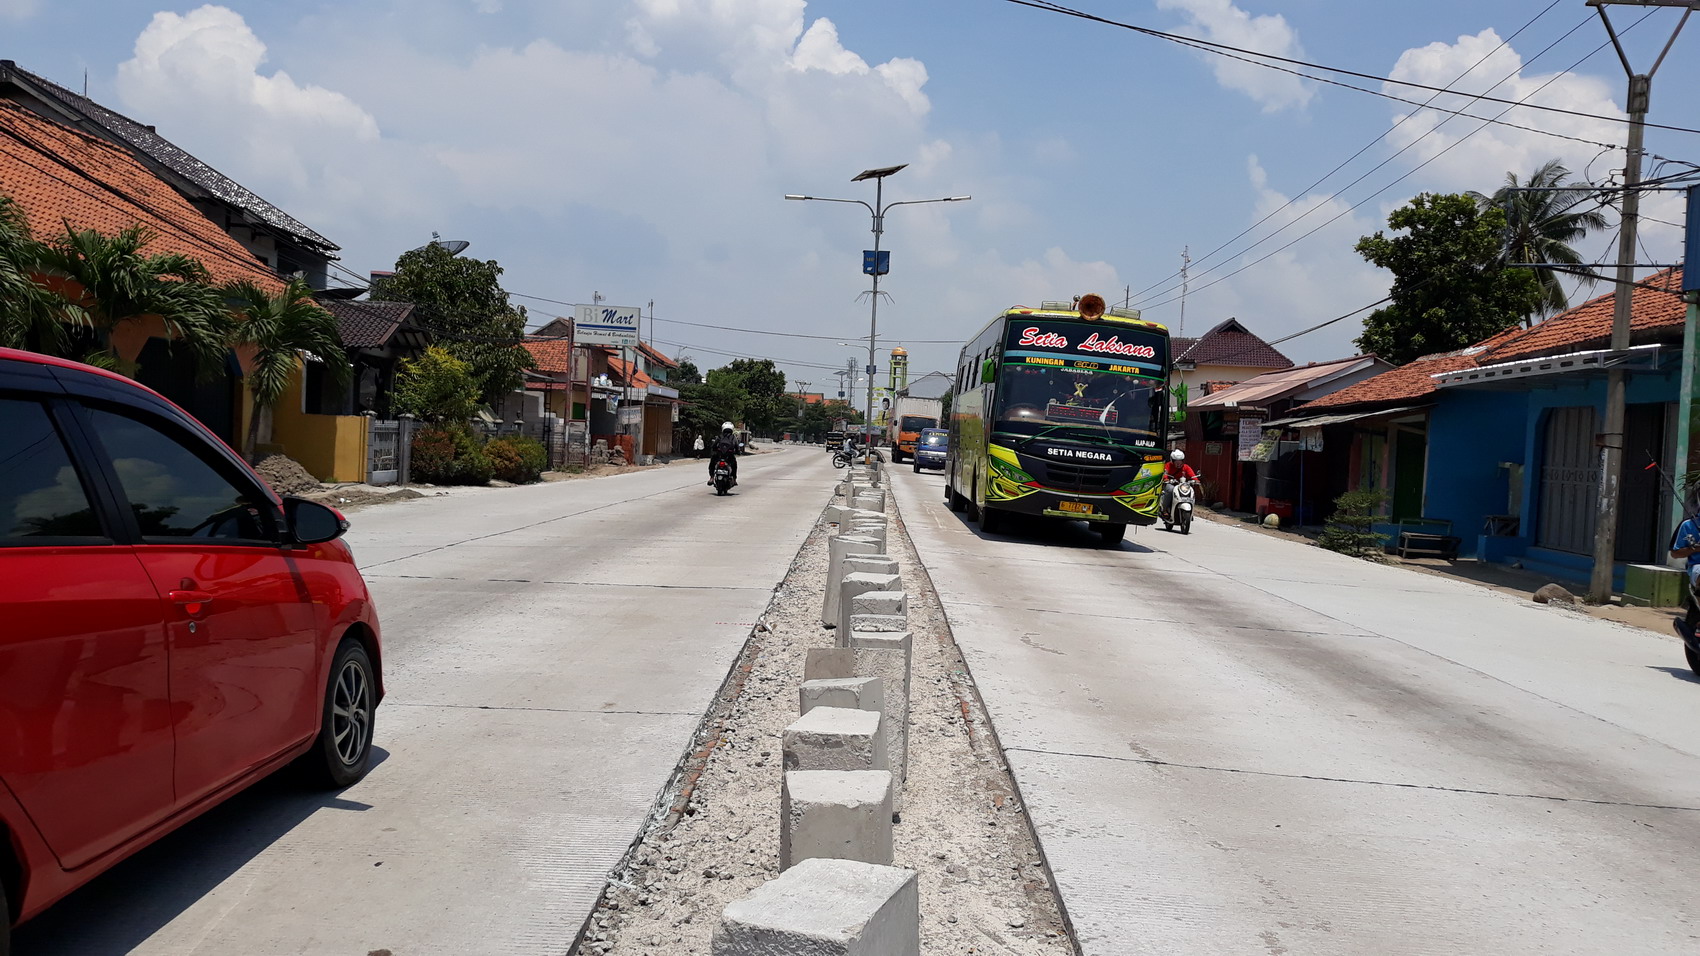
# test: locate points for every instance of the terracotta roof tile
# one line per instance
(144, 139)
(635, 377)
(1655, 315)
(1403, 384)
(59, 176)
(1229, 343)
(551, 355)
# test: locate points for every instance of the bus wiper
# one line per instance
(1077, 436)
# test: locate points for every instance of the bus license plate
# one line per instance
(1077, 507)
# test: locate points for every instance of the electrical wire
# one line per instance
(1382, 136)
(1348, 210)
(1239, 53)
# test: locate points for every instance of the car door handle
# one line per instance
(192, 601)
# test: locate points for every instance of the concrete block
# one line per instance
(885, 603)
(825, 908)
(838, 548)
(889, 657)
(834, 514)
(835, 815)
(852, 693)
(879, 622)
(867, 564)
(871, 529)
(836, 738)
(870, 501)
(828, 663)
(851, 585)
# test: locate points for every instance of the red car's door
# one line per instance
(85, 716)
(241, 625)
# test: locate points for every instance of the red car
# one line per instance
(171, 630)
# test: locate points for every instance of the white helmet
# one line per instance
(725, 426)
(1177, 455)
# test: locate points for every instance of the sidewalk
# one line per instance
(1495, 577)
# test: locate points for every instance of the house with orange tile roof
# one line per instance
(64, 178)
(1216, 421)
(1498, 441)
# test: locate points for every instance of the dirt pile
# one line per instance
(286, 476)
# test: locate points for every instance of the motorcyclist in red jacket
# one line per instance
(1176, 469)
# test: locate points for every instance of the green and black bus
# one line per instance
(1061, 414)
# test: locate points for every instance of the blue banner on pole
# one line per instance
(1691, 277)
(876, 263)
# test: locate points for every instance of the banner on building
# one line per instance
(1250, 436)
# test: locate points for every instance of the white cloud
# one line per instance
(18, 9)
(201, 71)
(1220, 21)
(1461, 154)
(644, 158)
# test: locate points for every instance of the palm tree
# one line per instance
(270, 333)
(125, 296)
(28, 319)
(1541, 224)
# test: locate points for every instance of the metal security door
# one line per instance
(1570, 481)
(384, 465)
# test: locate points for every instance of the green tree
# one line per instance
(1451, 287)
(766, 408)
(707, 405)
(461, 300)
(685, 374)
(28, 317)
(436, 388)
(112, 287)
(1542, 220)
(270, 333)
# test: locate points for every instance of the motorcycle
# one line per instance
(1181, 498)
(1691, 641)
(841, 459)
(722, 476)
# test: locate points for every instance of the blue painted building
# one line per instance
(1506, 435)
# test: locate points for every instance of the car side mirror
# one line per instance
(310, 522)
(988, 372)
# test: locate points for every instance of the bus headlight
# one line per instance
(1007, 481)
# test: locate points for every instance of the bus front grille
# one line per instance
(1077, 477)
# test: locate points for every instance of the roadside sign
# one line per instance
(876, 263)
(615, 325)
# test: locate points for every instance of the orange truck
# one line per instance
(908, 417)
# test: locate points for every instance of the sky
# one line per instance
(640, 150)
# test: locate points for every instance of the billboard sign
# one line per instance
(614, 325)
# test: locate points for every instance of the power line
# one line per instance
(1349, 209)
(1386, 133)
(1239, 53)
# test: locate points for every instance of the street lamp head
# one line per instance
(957, 198)
(795, 196)
(880, 173)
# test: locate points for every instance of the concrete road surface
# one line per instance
(548, 652)
(1233, 743)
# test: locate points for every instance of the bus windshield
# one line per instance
(1120, 407)
(1088, 379)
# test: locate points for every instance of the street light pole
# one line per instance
(877, 211)
(1611, 437)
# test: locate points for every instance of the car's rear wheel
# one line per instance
(343, 751)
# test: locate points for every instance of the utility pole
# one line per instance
(1611, 438)
(1186, 264)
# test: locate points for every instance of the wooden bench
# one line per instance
(1426, 538)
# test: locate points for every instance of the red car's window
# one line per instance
(174, 492)
(41, 495)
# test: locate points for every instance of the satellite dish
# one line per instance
(454, 246)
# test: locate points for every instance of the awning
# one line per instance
(1595, 361)
(1318, 421)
